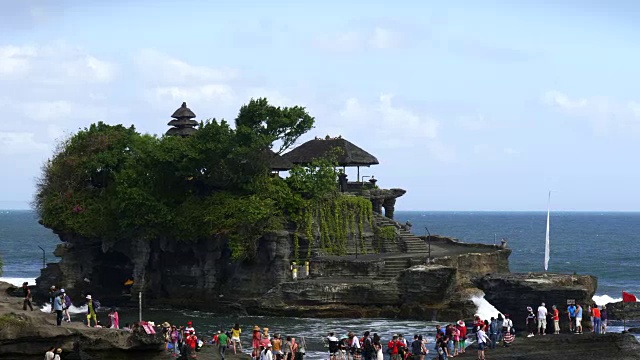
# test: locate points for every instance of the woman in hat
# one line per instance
(531, 322)
(255, 341)
(91, 312)
(58, 352)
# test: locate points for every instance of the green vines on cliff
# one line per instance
(336, 220)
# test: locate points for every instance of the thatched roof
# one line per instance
(181, 131)
(183, 112)
(350, 154)
(277, 162)
(183, 123)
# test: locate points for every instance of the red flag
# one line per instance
(626, 297)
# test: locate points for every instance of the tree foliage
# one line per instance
(113, 183)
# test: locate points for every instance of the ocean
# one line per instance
(601, 244)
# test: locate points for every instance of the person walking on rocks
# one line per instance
(67, 305)
(603, 319)
(91, 311)
(223, 343)
(493, 332)
(556, 319)
(482, 339)
(58, 304)
(235, 337)
(542, 319)
(27, 297)
(596, 319)
(57, 355)
(571, 312)
(578, 319)
(50, 353)
(531, 322)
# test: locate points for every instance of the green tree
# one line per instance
(284, 124)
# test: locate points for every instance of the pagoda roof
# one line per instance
(183, 112)
(277, 162)
(350, 154)
(181, 131)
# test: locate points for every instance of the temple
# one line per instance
(182, 123)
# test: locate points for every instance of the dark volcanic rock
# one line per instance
(622, 311)
(512, 293)
(552, 347)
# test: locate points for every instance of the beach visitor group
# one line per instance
(450, 340)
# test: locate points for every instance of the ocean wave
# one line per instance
(72, 310)
(484, 308)
(18, 281)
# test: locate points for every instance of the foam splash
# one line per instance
(605, 299)
(484, 308)
(72, 310)
(18, 281)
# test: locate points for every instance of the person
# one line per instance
(507, 327)
(542, 319)
(174, 336)
(556, 319)
(57, 355)
(578, 319)
(114, 319)
(596, 319)
(277, 346)
(67, 305)
(500, 322)
(333, 346)
(367, 347)
(189, 328)
(255, 342)
(482, 339)
(392, 348)
(603, 319)
(91, 311)
(52, 296)
(378, 347)
(286, 348)
(507, 338)
(27, 297)
(58, 304)
(223, 343)
(493, 332)
(235, 337)
(192, 341)
(50, 353)
(571, 312)
(416, 347)
(267, 353)
(531, 322)
(462, 343)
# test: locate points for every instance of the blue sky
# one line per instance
(468, 105)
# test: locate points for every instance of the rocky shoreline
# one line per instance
(28, 335)
(551, 347)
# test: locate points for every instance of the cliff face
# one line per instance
(203, 276)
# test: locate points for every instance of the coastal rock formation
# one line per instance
(512, 293)
(551, 347)
(31, 333)
(622, 311)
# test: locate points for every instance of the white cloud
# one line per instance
(218, 93)
(12, 143)
(47, 110)
(603, 113)
(377, 38)
(392, 126)
(473, 123)
(57, 62)
(155, 66)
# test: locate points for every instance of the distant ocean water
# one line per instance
(602, 244)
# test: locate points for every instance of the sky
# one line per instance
(468, 105)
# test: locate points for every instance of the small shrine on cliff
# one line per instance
(347, 155)
(182, 123)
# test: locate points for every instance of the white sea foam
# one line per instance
(605, 299)
(18, 281)
(72, 310)
(484, 308)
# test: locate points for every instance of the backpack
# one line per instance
(368, 345)
(96, 305)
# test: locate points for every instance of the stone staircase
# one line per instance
(393, 267)
(408, 242)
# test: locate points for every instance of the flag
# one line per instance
(626, 297)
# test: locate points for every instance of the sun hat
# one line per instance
(166, 324)
(62, 291)
(88, 297)
(52, 287)
(529, 308)
(58, 350)
(269, 345)
(460, 322)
